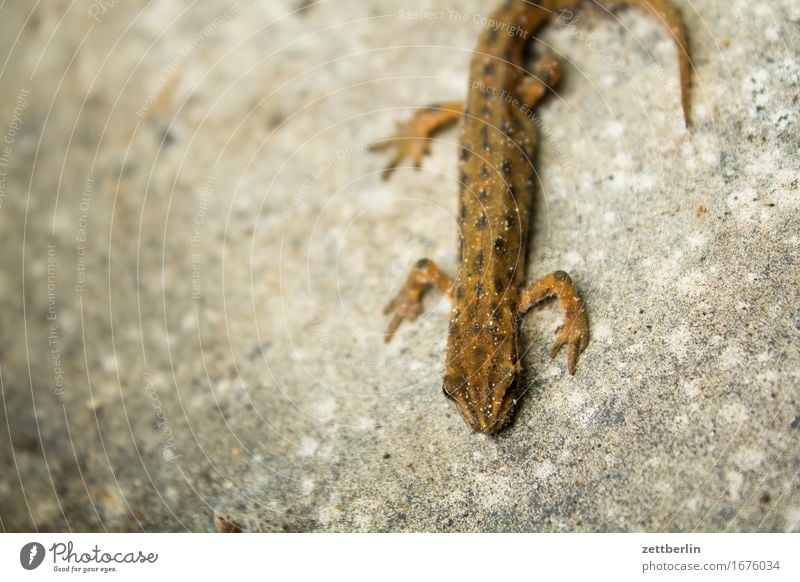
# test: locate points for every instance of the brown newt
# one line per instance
(496, 187)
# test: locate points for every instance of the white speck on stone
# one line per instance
(731, 357)
(614, 129)
(693, 284)
(324, 408)
(544, 470)
(735, 481)
(688, 155)
(663, 488)
(588, 416)
(734, 413)
(768, 377)
(495, 490)
(307, 486)
(622, 159)
(222, 386)
(636, 347)
(212, 316)
(552, 372)
(699, 110)
(573, 259)
(697, 241)
(307, 447)
(365, 424)
(678, 340)
(691, 389)
(643, 182)
(608, 81)
(602, 332)
(329, 513)
(575, 398)
(710, 157)
(416, 366)
(189, 321)
(748, 458)
(598, 256)
(680, 422)
(762, 10)
(109, 362)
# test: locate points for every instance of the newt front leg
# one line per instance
(575, 329)
(412, 138)
(407, 304)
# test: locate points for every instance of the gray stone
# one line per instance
(204, 333)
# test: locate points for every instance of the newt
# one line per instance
(496, 187)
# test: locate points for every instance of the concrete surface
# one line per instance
(196, 251)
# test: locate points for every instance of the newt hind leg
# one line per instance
(412, 138)
(544, 76)
(574, 332)
(407, 304)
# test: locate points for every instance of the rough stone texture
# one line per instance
(225, 351)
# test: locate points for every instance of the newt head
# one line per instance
(481, 379)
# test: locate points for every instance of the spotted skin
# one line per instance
(496, 189)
